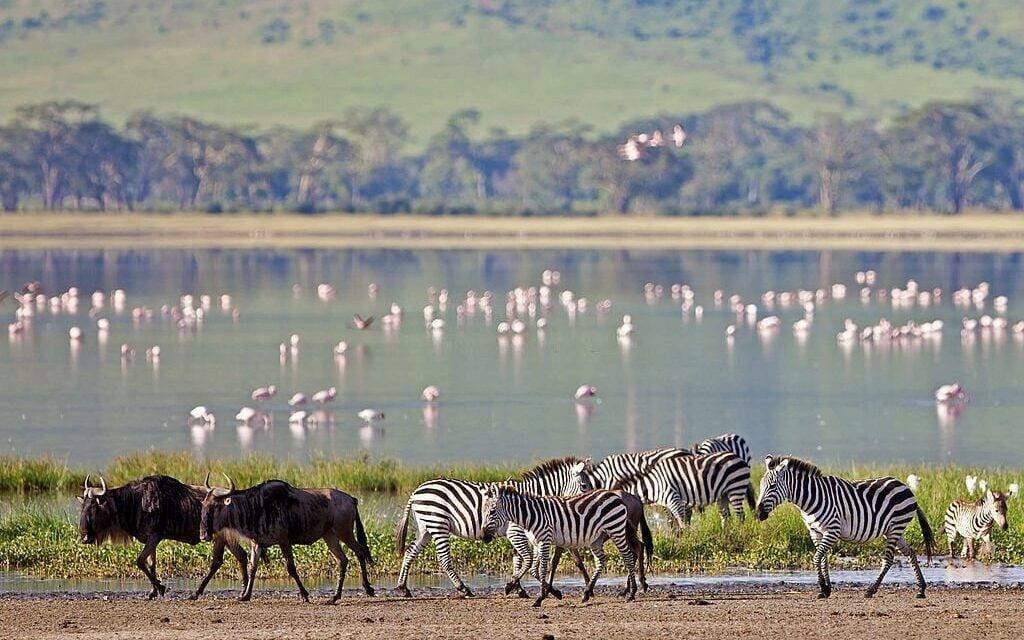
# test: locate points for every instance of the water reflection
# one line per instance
(206, 327)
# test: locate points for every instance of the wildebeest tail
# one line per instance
(361, 537)
(648, 540)
(402, 529)
(926, 530)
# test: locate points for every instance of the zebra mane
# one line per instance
(549, 466)
(800, 464)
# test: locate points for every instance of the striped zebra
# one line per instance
(731, 442)
(585, 520)
(679, 483)
(973, 521)
(445, 507)
(836, 509)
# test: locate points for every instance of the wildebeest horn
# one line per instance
(206, 482)
(104, 485)
(85, 491)
(231, 483)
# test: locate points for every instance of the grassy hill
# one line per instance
(601, 62)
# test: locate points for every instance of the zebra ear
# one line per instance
(579, 466)
(769, 462)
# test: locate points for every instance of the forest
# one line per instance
(740, 158)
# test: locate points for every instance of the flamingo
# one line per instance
(584, 391)
(264, 393)
(626, 328)
(431, 393)
(201, 415)
(370, 415)
(950, 393)
(360, 322)
(298, 399)
(325, 395)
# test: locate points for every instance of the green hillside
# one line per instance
(519, 62)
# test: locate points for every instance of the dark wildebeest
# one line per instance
(276, 513)
(149, 510)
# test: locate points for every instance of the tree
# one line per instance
(377, 136)
(952, 142)
(54, 126)
(17, 177)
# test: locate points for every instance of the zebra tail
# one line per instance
(402, 530)
(750, 496)
(648, 540)
(361, 538)
(926, 530)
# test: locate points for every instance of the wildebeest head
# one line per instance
(216, 502)
(99, 513)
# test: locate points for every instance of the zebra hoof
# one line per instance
(536, 603)
(869, 594)
(555, 592)
(822, 595)
(522, 593)
(369, 591)
(512, 586)
(404, 592)
(920, 595)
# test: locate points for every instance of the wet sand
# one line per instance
(662, 613)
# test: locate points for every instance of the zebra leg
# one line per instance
(599, 558)
(410, 554)
(521, 563)
(989, 547)
(736, 502)
(969, 545)
(679, 509)
(950, 539)
(629, 558)
(887, 560)
(823, 547)
(442, 544)
(555, 559)
(543, 549)
(577, 557)
(907, 550)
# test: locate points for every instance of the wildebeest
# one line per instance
(276, 513)
(150, 510)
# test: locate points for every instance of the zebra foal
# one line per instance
(836, 509)
(585, 520)
(974, 520)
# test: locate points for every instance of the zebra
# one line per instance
(973, 521)
(446, 507)
(585, 520)
(836, 509)
(680, 483)
(731, 442)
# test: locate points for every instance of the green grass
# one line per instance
(599, 63)
(43, 541)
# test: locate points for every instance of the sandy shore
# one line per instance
(907, 231)
(663, 613)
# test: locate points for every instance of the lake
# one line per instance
(677, 380)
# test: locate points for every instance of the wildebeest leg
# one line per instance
(143, 563)
(254, 563)
(289, 563)
(362, 555)
(339, 553)
(216, 560)
(410, 554)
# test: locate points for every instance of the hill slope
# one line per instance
(601, 62)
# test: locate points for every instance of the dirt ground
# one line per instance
(662, 613)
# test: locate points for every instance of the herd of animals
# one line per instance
(566, 504)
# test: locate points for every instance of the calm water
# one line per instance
(676, 381)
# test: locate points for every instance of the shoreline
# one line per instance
(896, 232)
(658, 614)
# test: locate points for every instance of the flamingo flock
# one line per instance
(526, 312)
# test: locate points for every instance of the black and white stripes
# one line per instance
(586, 520)
(973, 521)
(837, 509)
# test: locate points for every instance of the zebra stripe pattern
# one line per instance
(681, 482)
(837, 509)
(973, 521)
(730, 442)
(585, 520)
(447, 507)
